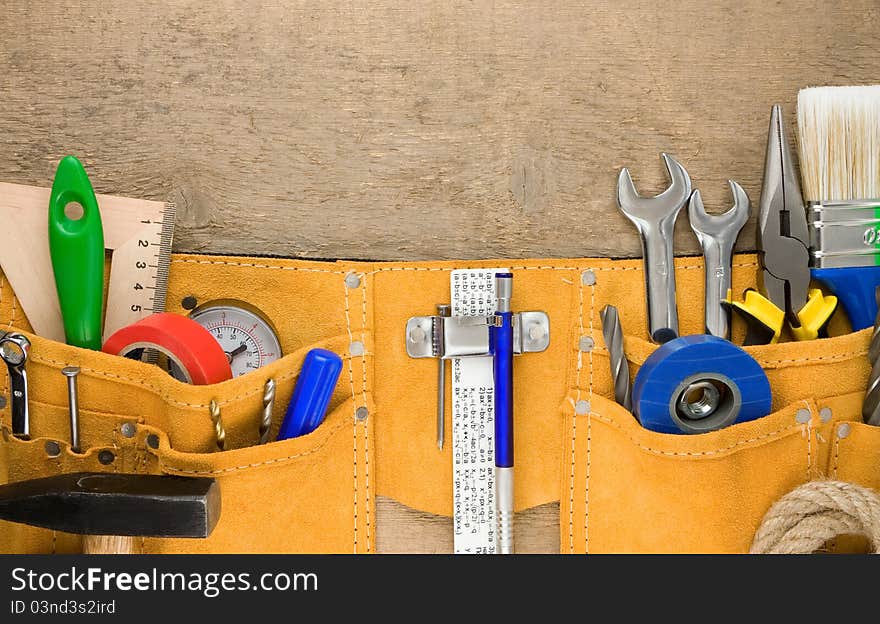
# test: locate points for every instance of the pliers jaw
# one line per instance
(783, 237)
(784, 295)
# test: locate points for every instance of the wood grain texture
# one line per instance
(405, 530)
(412, 130)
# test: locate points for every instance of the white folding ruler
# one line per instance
(463, 338)
(473, 421)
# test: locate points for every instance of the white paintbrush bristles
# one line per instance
(839, 142)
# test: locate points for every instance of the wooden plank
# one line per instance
(390, 130)
(433, 129)
(405, 530)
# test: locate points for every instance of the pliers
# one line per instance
(784, 296)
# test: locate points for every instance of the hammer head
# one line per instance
(97, 503)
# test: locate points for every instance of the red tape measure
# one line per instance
(194, 355)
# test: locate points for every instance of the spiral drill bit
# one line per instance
(871, 406)
(219, 430)
(613, 334)
(268, 406)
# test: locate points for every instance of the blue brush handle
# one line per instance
(854, 287)
(311, 394)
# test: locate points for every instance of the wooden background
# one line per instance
(387, 129)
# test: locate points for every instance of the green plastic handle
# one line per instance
(77, 250)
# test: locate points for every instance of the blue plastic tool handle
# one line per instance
(854, 287)
(311, 394)
(672, 363)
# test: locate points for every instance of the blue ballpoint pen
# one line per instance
(502, 348)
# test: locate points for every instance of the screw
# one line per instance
(106, 457)
(189, 302)
(71, 372)
(53, 449)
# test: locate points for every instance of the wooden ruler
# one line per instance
(137, 232)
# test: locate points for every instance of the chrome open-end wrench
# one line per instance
(654, 217)
(717, 235)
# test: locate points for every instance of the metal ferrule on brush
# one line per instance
(844, 233)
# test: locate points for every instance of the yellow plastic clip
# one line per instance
(814, 315)
(760, 313)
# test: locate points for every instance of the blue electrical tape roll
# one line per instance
(696, 384)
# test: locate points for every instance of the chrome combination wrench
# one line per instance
(717, 235)
(654, 218)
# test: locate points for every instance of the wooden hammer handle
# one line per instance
(108, 544)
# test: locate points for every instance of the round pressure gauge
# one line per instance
(246, 335)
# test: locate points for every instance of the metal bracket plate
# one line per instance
(455, 337)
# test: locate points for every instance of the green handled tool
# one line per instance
(77, 249)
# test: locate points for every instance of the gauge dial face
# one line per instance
(247, 338)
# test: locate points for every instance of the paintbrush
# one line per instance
(839, 143)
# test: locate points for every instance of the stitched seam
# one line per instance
(810, 360)
(170, 469)
(808, 430)
(589, 428)
(574, 422)
(354, 417)
(369, 416)
(253, 265)
(821, 358)
(711, 453)
(836, 453)
(12, 315)
(158, 392)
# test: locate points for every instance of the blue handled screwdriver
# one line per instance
(311, 394)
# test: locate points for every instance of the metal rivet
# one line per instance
(537, 332)
(825, 414)
(843, 430)
(356, 348)
(53, 449)
(417, 335)
(153, 441)
(128, 429)
(189, 303)
(588, 278)
(582, 407)
(106, 457)
(352, 280)
(2, 401)
(803, 416)
(585, 344)
(361, 413)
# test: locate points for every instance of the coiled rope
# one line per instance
(803, 520)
